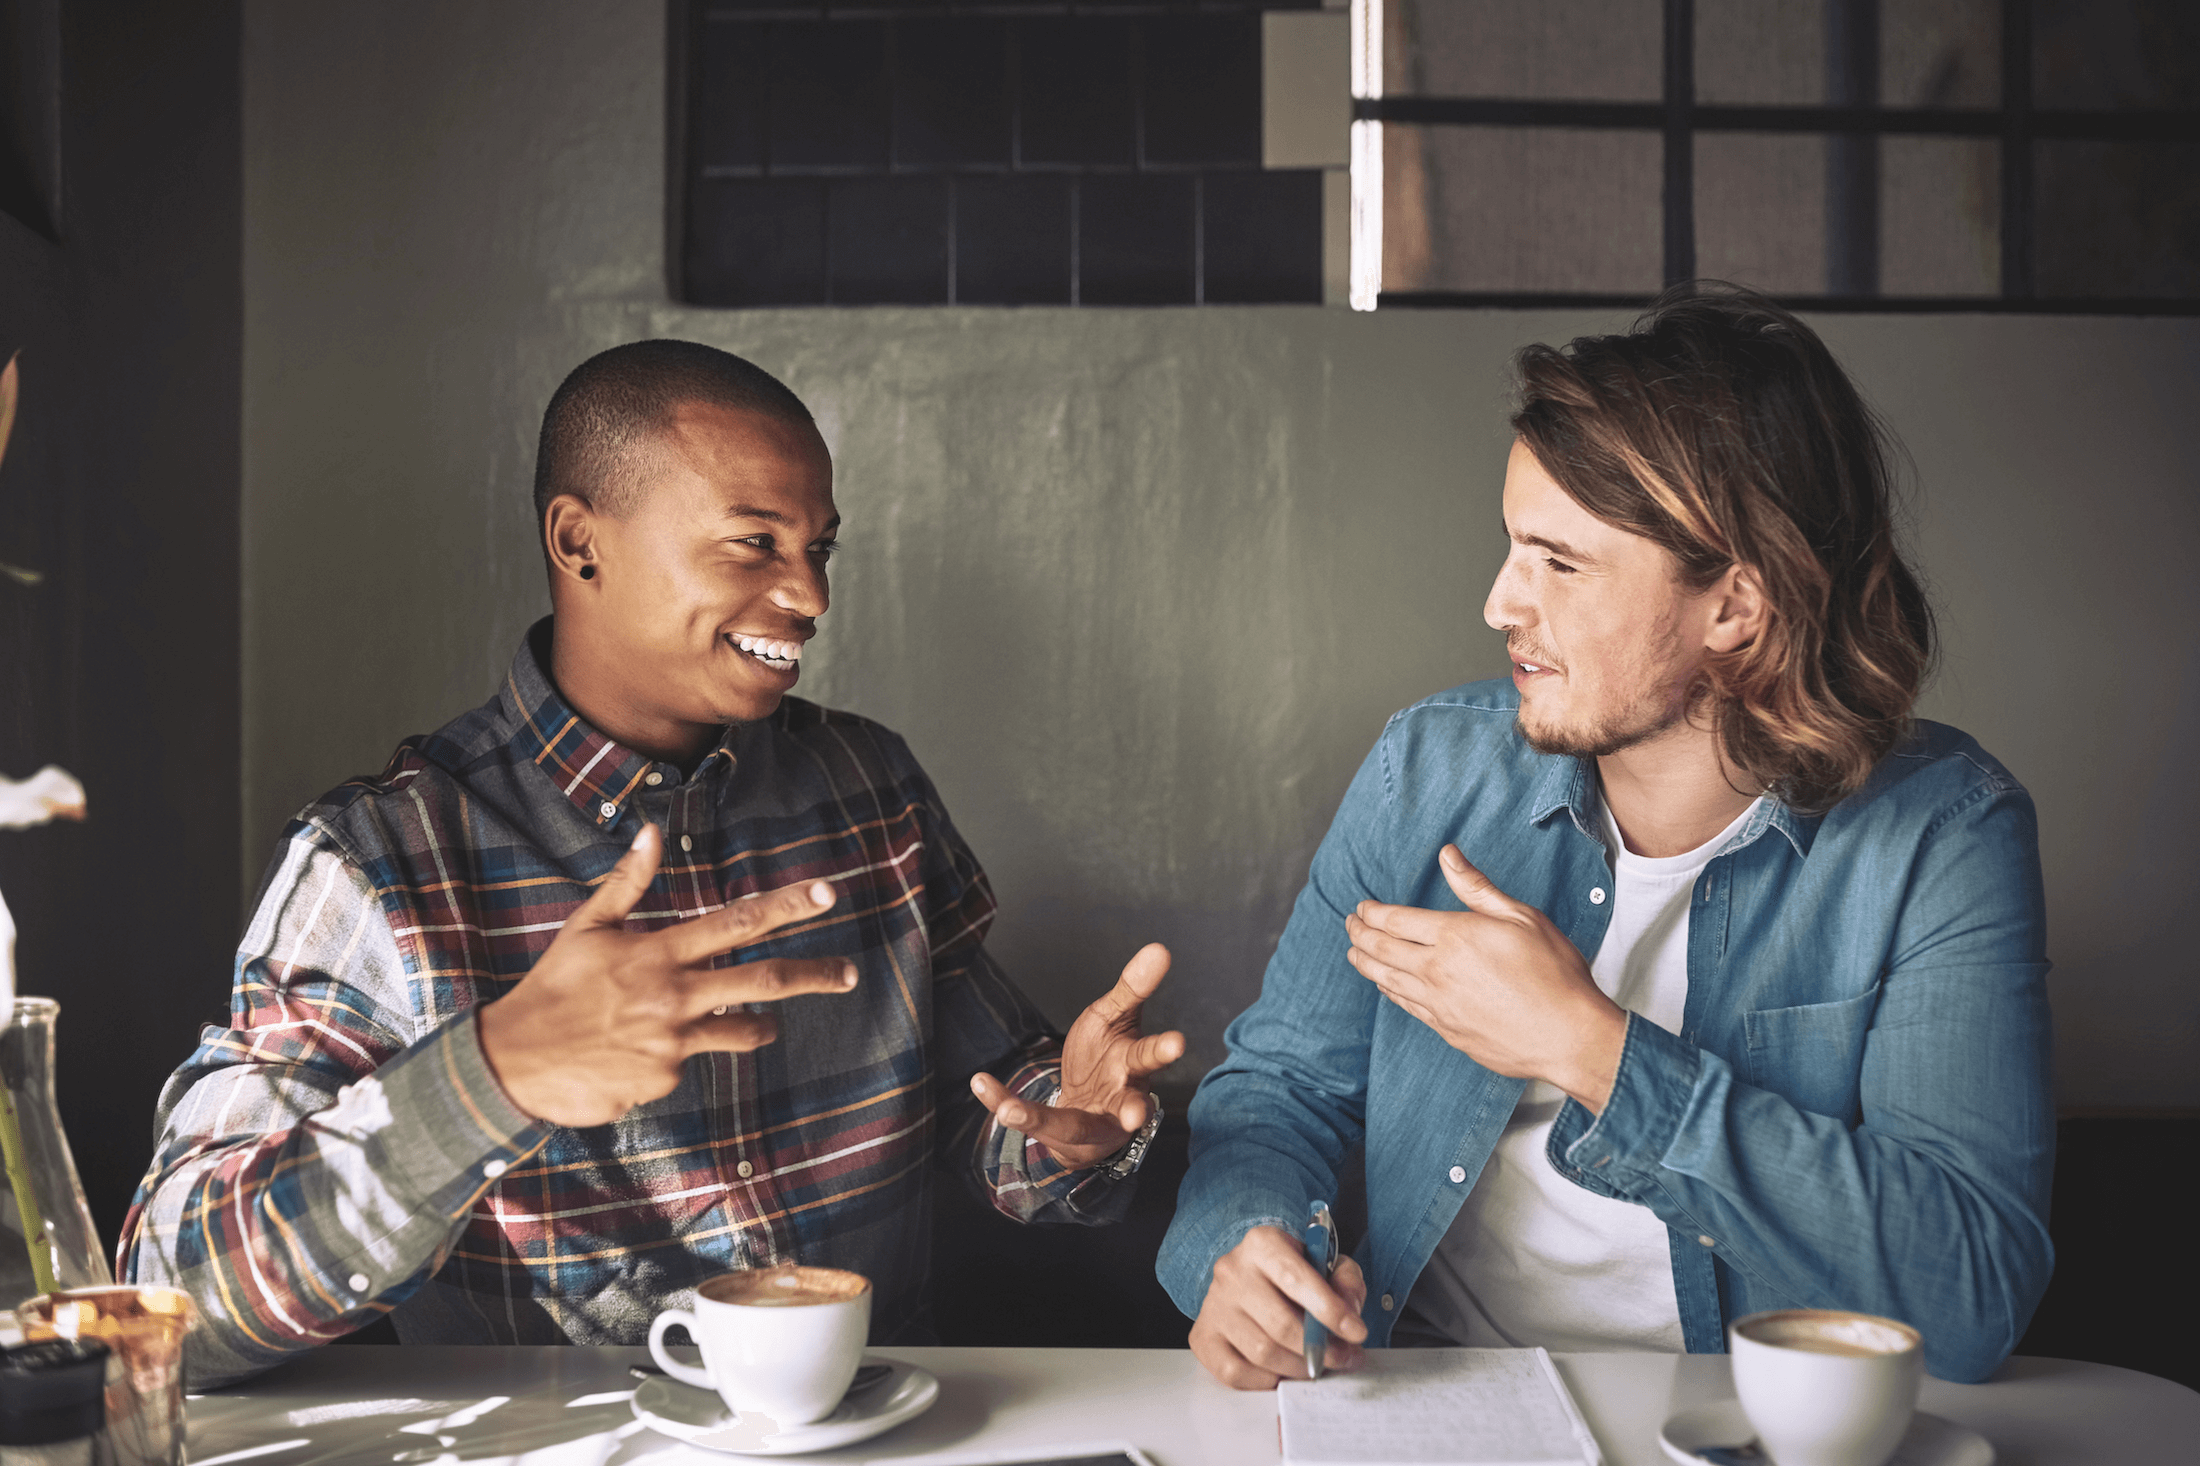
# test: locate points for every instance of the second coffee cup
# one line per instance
(1825, 1387)
(781, 1341)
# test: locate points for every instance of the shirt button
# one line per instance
(744, 1170)
(494, 1169)
(358, 1282)
(1596, 896)
(1386, 1303)
(687, 842)
(607, 809)
(1458, 1174)
(653, 779)
(1708, 1241)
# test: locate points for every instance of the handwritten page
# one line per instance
(1437, 1407)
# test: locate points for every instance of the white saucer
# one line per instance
(700, 1418)
(1930, 1440)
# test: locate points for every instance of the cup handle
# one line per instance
(685, 1373)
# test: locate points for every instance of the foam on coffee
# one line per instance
(1828, 1331)
(786, 1286)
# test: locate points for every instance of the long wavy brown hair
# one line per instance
(1721, 428)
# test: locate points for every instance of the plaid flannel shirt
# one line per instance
(342, 1150)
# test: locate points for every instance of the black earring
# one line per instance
(588, 572)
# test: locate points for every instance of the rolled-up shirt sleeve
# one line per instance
(317, 1157)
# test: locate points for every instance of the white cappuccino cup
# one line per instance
(1824, 1387)
(783, 1342)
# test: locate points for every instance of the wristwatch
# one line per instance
(1127, 1160)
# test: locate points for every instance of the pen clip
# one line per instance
(1321, 1239)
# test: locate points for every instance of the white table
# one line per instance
(408, 1406)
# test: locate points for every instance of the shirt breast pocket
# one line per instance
(1812, 1055)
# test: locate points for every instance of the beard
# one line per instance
(1651, 712)
(1600, 740)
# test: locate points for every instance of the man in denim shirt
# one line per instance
(1688, 975)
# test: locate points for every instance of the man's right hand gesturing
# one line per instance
(607, 1017)
(1251, 1330)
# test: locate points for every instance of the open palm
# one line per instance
(1106, 1063)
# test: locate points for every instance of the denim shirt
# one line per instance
(1855, 1113)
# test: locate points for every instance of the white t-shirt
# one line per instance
(1533, 1259)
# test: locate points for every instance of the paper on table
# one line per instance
(1436, 1407)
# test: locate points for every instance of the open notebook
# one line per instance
(1436, 1407)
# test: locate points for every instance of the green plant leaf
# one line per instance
(7, 403)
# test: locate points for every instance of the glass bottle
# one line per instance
(41, 1163)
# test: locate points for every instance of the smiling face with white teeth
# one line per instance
(701, 598)
(1605, 639)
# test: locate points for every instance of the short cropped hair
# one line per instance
(1721, 428)
(613, 402)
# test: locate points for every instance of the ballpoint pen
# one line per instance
(1321, 1250)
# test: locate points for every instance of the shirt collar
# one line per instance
(1570, 784)
(599, 775)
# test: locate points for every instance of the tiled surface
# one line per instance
(1010, 153)
(1199, 82)
(1075, 103)
(756, 241)
(828, 91)
(1135, 238)
(886, 239)
(1013, 239)
(951, 105)
(1247, 259)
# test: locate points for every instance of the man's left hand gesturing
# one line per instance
(1498, 981)
(1105, 1065)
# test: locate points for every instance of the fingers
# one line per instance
(764, 982)
(1251, 1330)
(1391, 951)
(729, 1033)
(1409, 923)
(1304, 1286)
(619, 891)
(1154, 1052)
(1475, 890)
(1212, 1348)
(1412, 1008)
(1141, 975)
(1351, 1283)
(1050, 1125)
(1399, 985)
(739, 923)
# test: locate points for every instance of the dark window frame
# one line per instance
(2016, 123)
(1215, 277)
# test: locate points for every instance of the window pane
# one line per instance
(886, 240)
(1761, 210)
(1931, 53)
(950, 92)
(1012, 239)
(1940, 216)
(2115, 53)
(1593, 50)
(2116, 219)
(1750, 53)
(1137, 234)
(1521, 209)
(1940, 53)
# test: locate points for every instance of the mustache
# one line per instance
(1521, 651)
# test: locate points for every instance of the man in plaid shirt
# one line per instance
(500, 1063)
